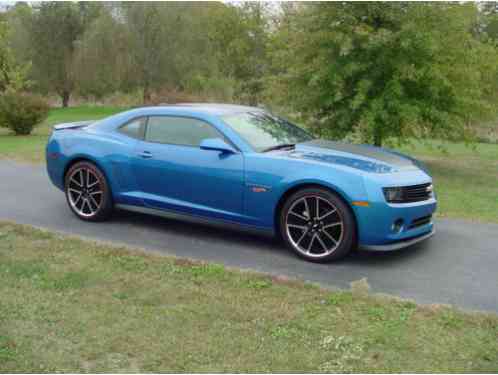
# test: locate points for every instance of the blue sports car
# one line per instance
(243, 167)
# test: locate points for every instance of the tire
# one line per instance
(87, 192)
(322, 236)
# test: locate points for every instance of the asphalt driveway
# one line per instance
(459, 265)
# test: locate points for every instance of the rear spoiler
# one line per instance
(73, 125)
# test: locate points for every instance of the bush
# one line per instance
(20, 112)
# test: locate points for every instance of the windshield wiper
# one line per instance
(282, 146)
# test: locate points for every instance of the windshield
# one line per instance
(264, 131)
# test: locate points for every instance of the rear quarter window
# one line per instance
(135, 128)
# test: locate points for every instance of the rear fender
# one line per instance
(85, 157)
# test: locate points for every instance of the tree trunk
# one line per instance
(65, 98)
(377, 137)
(147, 94)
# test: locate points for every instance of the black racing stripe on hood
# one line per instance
(372, 152)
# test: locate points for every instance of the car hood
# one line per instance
(363, 157)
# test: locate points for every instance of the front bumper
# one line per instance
(400, 244)
(377, 228)
(375, 222)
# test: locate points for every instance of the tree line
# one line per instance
(371, 71)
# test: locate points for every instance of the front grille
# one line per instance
(420, 222)
(417, 193)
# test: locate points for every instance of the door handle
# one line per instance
(146, 154)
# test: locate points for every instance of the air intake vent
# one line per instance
(420, 222)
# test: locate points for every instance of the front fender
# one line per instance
(279, 176)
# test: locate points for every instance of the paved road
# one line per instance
(459, 265)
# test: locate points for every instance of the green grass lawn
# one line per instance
(69, 305)
(31, 148)
(466, 179)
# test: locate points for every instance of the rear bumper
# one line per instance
(55, 163)
(399, 244)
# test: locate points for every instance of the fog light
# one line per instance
(397, 226)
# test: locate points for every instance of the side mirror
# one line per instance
(216, 144)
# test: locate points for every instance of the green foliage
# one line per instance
(339, 298)
(258, 284)
(238, 36)
(20, 112)
(19, 19)
(211, 50)
(99, 65)
(148, 47)
(488, 25)
(55, 28)
(13, 76)
(373, 72)
(386, 69)
(212, 87)
(7, 349)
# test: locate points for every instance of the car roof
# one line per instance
(201, 110)
(218, 109)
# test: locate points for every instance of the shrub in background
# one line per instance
(21, 112)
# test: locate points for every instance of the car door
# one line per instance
(174, 173)
(123, 182)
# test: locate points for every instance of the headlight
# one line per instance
(432, 192)
(393, 194)
(409, 194)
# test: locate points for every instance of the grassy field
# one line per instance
(31, 148)
(466, 178)
(73, 306)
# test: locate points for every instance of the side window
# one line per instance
(179, 130)
(135, 128)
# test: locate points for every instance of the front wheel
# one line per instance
(317, 225)
(87, 192)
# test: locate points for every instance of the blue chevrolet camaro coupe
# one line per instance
(243, 167)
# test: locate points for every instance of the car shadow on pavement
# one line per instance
(201, 231)
(392, 257)
(229, 237)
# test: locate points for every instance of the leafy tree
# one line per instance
(19, 19)
(19, 111)
(55, 28)
(488, 19)
(166, 45)
(239, 39)
(13, 76)
(215, 50)
(386, 69)
(102, 60)
(144, 33)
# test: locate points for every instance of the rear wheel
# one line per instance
(87, 192)
(317, 225)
